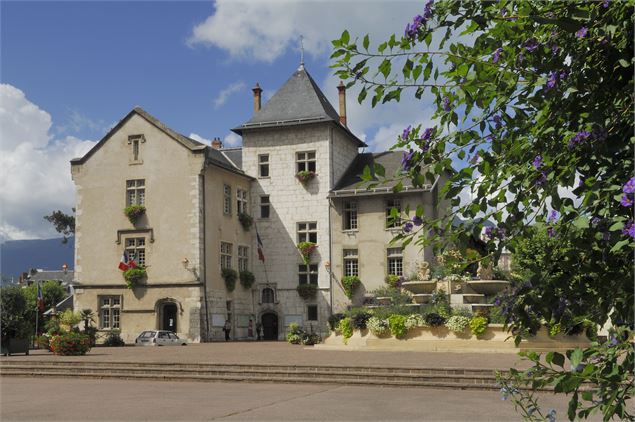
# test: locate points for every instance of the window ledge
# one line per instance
(134, 163)
(350, 231)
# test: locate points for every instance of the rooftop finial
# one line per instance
(301, 53)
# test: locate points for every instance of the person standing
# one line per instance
(250, 329)
(227, 328)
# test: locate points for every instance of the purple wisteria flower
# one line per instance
(581, 33)
(605, 3)
(531, 45)
(502, 233)
(497, 54)
(554, 49)
(541, 180)
(428, 133)
(595, 221)
(579, 138)
(489, 232)
(446, 104)
(552, 81)
(629, 229)
(551, 232)
(537, 163)
(419, 21)
(427, 9)
(553, 216)
(407, 228)
(417, 221)
(498, 121)
(627, 200)
(406, 160)
(629, 187)
(475, 158)
(564, 74)
(406, 133)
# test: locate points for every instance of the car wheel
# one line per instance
(184, 344)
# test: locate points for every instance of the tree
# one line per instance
(63, 223)
(52, 293)
(534, 105)
(13, 315)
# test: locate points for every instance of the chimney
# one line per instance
(217, 143)
(342, 90)
(257, 91)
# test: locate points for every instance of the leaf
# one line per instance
(619, 245)
(345, 38)
(624, 63)
(581, 222)
(573, 406)
(366, 42)
(558, 359)
(380, 170)
(576, 357)
(385, 67)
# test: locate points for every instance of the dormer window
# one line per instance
(135, 142)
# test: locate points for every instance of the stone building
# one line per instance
(195, 197)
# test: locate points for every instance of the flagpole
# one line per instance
(37, 313)
(264, 265)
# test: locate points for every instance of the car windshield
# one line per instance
(147, 334)
(173, 336)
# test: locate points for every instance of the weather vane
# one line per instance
(301, 52)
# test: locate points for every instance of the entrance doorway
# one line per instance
(168, 322)
(270, 326)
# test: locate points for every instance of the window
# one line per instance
(136, 248)
(305, 161)
(390, 204)
(307, 232)
(308, 274)
(243, 260)
(241, 201)
(350, 215)
(135, 192)
(395, 261)
(135, 142)
(267, 295)
(312, 313)
(227, 199)
(225, 255)
(351, 264)
(264, 206)
(109, 312)
(263, 165)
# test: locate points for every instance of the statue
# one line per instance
(485, 272)
(424, 271)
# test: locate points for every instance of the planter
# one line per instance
(307, 291)
(15, 345)
(246, 220)
(305, 176)
(134, 212)
(134, 276)
(306, 250)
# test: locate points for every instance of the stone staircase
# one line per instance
(461, 378)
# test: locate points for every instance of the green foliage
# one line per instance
(359, 317)
(114, 339)
(478, 325)
(457, 323)
(52, 293)
(533, 99)
(15, 314)
(247, 279)
(414, 321)
(433, 319)
(397, 324)
(305, 176)
(88, 316)
(345, 327)
(63, 223)
(68, 319)
(350, 284)
(134, 276)
(297, 335)
(396, 295)
(69, 344)
(392, 280)
(133, 212)
(378, 326)
(229, 275)
(306, 249)
(307, 291)
(246, 220)
(334, 321)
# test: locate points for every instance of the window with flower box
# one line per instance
(109, 312)
(308, 274)
(225, 255)
(305, 161)
(395, 261)
(135, 192)
(136, 249)
(307, 232)
(351, 263)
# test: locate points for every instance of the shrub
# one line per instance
(43, 342)
(496, 316)
(114, 339)
(229, 275)
(457, 323)
(346, 328)
(478, 325)
(334, 320)
(500, 274)
(434, 320)
(397, 324)
(306, 249)
(134, 276)
(350, 284)
(392, 280)
(246, 220)
(414, 321)
(360, 319)
(311, 339)
(305, 176)
(462, 311)
(378, 326)
(69, 344)
(247, 279)
(307, 291)
(395, 294)
(294, 338)
(295, 334)
(133, 212)
(68, 319)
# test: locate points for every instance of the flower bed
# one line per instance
(69, 344)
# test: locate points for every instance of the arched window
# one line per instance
(267, 295)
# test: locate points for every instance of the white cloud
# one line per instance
(35, 177)
(222, 96)
(232, 140)
(200, 139)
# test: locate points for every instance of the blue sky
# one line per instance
(70, 70)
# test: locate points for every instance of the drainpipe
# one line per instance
(202, 177)
(331, 185)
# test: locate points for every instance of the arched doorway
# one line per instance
(169, 312)
(270, 326)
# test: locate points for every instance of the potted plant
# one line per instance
(393, 280)
(306, 249)
(307, 291)
(133, 212)
(246, 279)
(246, 220)
(305, 176)
(350, 284)
(229, 275)
(134, 276)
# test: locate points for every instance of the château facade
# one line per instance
(195, 197)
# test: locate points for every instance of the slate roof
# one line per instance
(298, 101)
(235, 155)
(351, 181)
(43, 275)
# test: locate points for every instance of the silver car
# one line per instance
(159, 338)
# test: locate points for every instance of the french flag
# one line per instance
(261, 254)
(126, 262)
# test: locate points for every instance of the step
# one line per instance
(384, 300)
(419, 287)
(473, 298)
(481, 306)
(422, 297)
